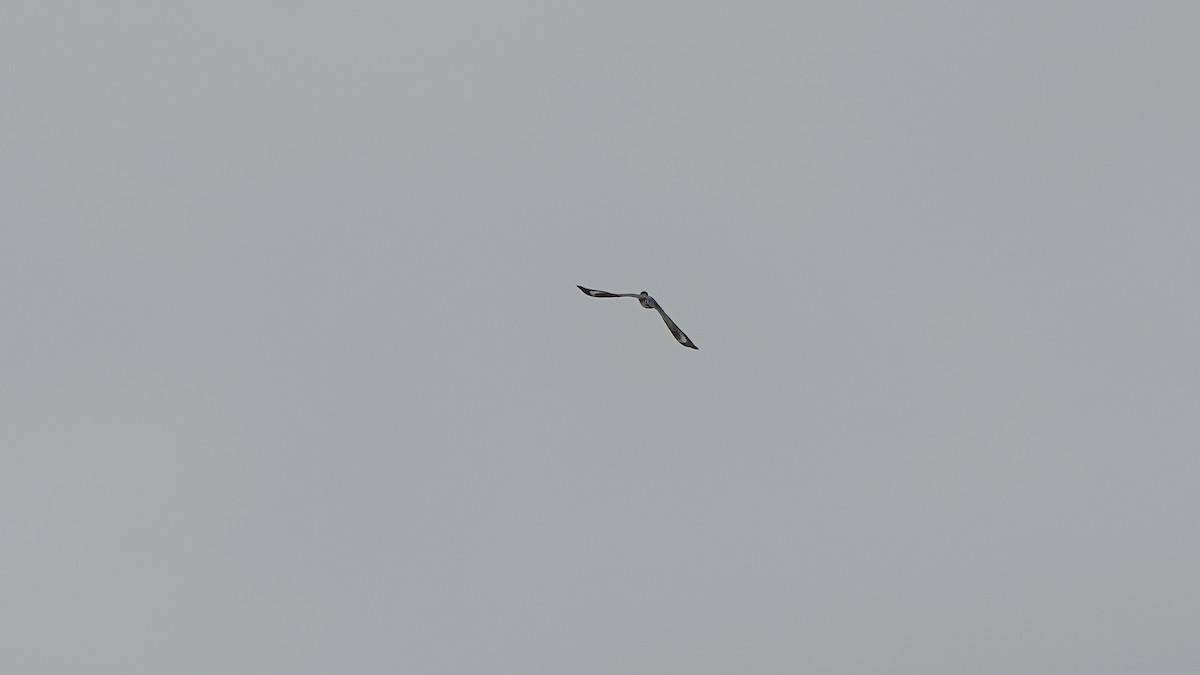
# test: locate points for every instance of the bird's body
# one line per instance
(649, 303)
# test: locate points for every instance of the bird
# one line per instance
(649, 303)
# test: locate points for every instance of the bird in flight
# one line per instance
(649, 303)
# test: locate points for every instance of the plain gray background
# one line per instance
(295, 377)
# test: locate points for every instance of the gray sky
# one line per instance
(295, 377)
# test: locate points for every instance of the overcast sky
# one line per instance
(295, 378)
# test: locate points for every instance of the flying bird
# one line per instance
(649, 303)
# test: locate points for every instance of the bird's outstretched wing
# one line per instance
(679, 334)
(606, 294)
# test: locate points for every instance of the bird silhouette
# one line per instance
(649, 303)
